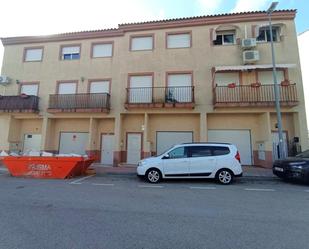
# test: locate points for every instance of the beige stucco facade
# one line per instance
(200, 60)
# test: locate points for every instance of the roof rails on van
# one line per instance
(208, 143)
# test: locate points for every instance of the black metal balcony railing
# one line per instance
(151, 95)
(80, 101)
(254, 95)
(19, 103)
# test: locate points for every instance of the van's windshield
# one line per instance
(163, 153)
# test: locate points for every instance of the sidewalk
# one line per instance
(249, 171)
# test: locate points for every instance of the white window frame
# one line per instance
(103, 81)
(103, 55)
(67, 83)
(33, 60)
(62, 54)
(179, 92)
(264, 29)
(141, 93)
(29, 85)
(267, 74)
(170, 35)
(227, 78)
(132, 38)
(223, 33)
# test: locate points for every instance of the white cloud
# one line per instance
(41, 17)
(210, 6)
(246, 5)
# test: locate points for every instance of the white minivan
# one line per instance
(193, 160)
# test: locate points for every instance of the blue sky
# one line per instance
(192, 8)
(42, 17)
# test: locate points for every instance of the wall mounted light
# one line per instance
(17, 82)
(82, 79)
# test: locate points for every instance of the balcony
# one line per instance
(83, 102)
(159, 97)
(254, 95)
(20, 103)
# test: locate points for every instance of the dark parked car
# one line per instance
(293, 167)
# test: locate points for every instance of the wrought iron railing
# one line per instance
(20, 103)
(147, 95)
(80, 101)
(251, 94)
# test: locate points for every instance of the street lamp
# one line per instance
(276, 86)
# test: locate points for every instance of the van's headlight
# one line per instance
(140, 163)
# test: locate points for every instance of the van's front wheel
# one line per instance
(153, 175)
(224, 176)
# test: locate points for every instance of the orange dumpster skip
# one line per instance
(47, 167)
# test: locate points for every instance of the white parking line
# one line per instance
(207, 188)
(150, 186)
(103, 184)
(78, 181)
(260, 189)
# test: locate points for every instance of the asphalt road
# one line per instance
(124, 212)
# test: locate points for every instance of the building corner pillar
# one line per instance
(92, 146)
(118, 143)
(203, 127)
(146, 144)
(46, 133)
(262, 150)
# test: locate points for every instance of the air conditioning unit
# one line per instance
(4, 80)
(248, 43)
(250, 56)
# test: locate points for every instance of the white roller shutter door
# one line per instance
(240, 138)
(167, 139)
(73, 142)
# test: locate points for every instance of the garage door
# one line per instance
(241, 138)
(73, 142)
(166, 139)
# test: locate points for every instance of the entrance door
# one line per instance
(134, 147)
(73, 142)
(32, 142)
(107, 149)
(275, 138)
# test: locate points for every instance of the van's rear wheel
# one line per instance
(153, 175)
(224, 176)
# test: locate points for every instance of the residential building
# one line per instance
(127, 93)
(303, 41)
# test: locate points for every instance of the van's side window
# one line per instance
(219, 151)
(179, 152)
(200, 151)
